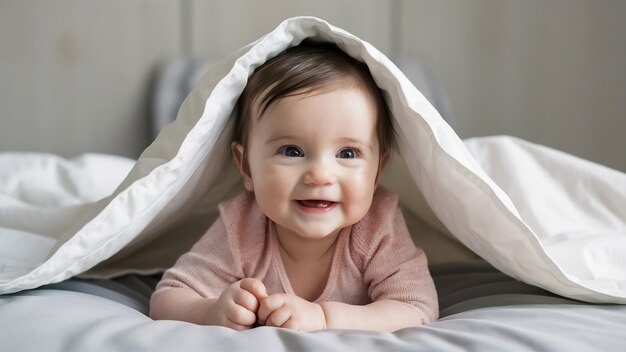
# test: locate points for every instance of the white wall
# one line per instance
(550, 71)
(75, 75)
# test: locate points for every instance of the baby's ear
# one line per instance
(242, 164)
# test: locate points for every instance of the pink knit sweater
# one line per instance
(375, 259)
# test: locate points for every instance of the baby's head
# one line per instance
(304, 69)
(312, 135)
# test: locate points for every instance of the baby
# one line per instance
(313, 243)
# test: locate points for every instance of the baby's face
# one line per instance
(314, 161)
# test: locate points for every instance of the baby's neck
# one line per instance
(307, 263)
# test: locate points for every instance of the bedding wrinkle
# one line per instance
(573, 206)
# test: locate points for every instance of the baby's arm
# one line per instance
(293, 312)
(384, 315)
(235, 308)
(199, 287)
(178, 303)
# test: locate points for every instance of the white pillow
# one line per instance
(170, 196)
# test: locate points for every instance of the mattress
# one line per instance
(481, 310)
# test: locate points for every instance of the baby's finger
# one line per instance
(270, 304)
(254, 286)
(247, 300)
(230, 324)
(291, 324)
(239, 315)
(278, 317)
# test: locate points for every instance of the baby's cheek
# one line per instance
(357, 207)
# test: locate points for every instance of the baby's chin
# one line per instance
(318, 235)
(320, 232)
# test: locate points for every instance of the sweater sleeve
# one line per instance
(212, 264)
(393, 267)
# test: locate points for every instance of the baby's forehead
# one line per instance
(335, 113)
(352, 83)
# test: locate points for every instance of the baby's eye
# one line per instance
(291, 151)
(348, 153)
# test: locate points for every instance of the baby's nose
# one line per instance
(319, 173)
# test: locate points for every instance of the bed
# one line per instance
(526, 244)
(481, 309)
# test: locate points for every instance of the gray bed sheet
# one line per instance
(481, 310)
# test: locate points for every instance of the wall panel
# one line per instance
(75, 75)
(223, 26)
(548, 71)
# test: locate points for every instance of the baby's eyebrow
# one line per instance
(356, 142)
(342, 140)
(279, 138)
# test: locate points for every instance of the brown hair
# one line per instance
(300, 70)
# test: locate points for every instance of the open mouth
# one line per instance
(316, 204)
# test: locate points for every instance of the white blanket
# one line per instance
(539, 215)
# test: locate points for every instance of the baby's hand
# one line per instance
(291, 312)
(237, 306)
